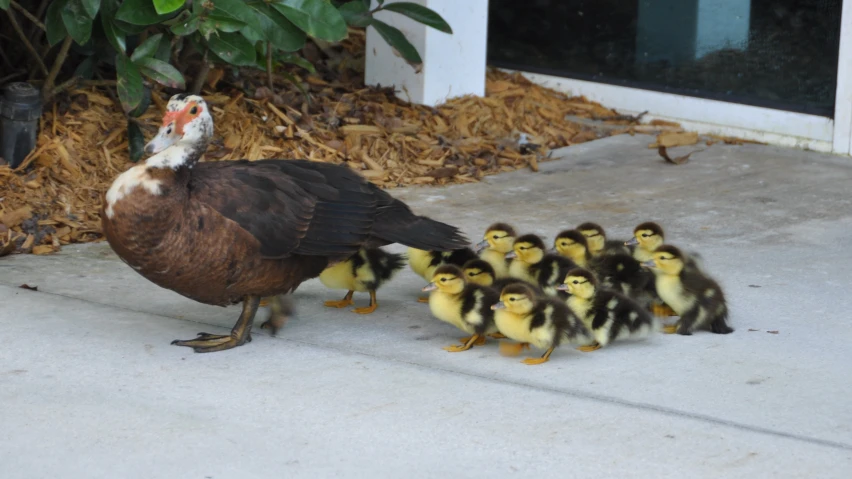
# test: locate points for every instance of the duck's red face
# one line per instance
(186, 118)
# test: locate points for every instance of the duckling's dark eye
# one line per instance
(646, 235)
(443, 280)
(193, 110)
(512, 299)
(495, 237)
(576, 282)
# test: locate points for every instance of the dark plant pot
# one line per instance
(20, 110)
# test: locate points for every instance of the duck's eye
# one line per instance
(443, 280)
(646, 235)
(512, 299)
(169, 130)
(495, 237)
(193, 110)
(576, 282)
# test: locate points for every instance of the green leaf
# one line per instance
(161, 72)
(296, 60)
(188, 27)
(86, 68)
(164, 52)
(114, 35)
(318, 18)
(167, 6)
(143, 105)
(421, 14)
(233, 48)
(76, 21)
(396, 39)
(4, 4)
(53, 23)
(356, 14)
(146, 48)
(91, 7)
(237, 10)
(278, 30)
(136, 140)
(130, 84)
(222, 24)
(139, 12)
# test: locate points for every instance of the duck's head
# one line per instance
(479, 271)
(498, 237)
(447, 278)
(595, 236)
(573, 245)
(649, 236)
(527, 248)
(185, 132)
(516, 298)
(579, 282)
(668, 259)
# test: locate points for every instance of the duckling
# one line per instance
(598, 243)
(695, 297)
(542, 322)
(498, 240)
(614, 271)
(466, 306)
(608, 314)
(364, 271)
(424, 262)
(531, 263)
(479, 271)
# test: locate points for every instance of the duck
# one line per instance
(695, 297)
(230, 232)
(465, 305)
(479, 271)
(615, 270)
(497, 241)
(607, 314)
(365, 271)
(531, 262)
(543, 322)
(598, 242)
(425, 262)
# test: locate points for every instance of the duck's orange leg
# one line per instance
(533, 361)
(346, 301)
(369, 309)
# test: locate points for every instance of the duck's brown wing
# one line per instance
(310, 208)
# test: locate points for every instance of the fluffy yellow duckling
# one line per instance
(542, 322)
(424, 263)
(598, 242)
(479, 271)
(530, 262)
(466, 306)
(647, 237)
(498, 240)
(364, 271)
(694, 296)
(607, 314)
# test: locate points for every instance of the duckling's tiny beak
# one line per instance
(562, 287)
(500, 305)
(632, 241)
(430, 287)
(480, 246)
(649, 264)
(511, 254)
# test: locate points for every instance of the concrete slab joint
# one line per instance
(453, 65)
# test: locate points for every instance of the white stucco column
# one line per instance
(453, 65)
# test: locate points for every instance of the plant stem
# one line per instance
(25, 41)
(29, 15)
(57, 65)
(66, 85)
(198, 83)
(269, 66)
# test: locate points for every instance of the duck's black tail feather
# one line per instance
(396, 223)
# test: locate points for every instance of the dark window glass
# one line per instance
(773, 53)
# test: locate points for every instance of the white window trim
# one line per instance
(842, 140)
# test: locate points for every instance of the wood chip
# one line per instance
(670, 139)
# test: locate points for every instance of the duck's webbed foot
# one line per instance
(240, 334)
(346, 301)
(368, 309)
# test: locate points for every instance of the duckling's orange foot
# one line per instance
(479, 341)
(512, 349)
(497, 336)
(457, 348)
(367, 309)
(670, 329)
(208, 343)
(534, 361)
(339, 304)
(423, 299)
(589, 348)
(662, 310)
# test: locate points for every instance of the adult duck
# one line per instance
(226, 232)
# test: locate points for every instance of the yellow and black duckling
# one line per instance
(424, 263)
(545, 323)
(466, 306)
(365, 271)
(607, 314)
(647, 237)
(616, 271)
(531, 262)
(598, 242)
(479, 271)
(694, 296)
(498, 240)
